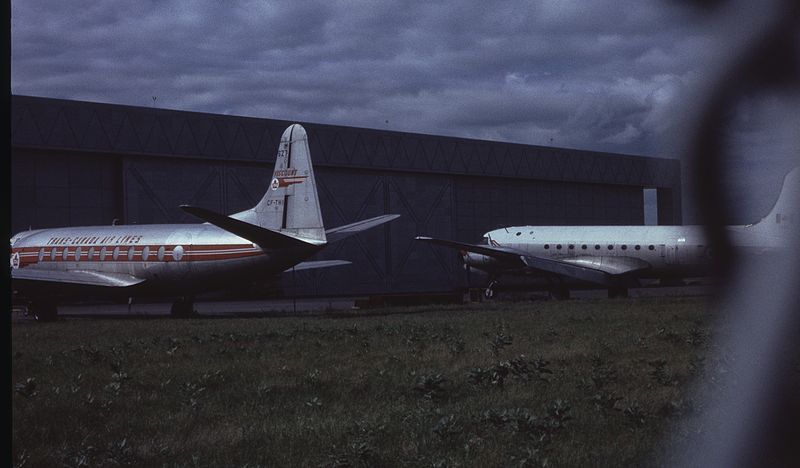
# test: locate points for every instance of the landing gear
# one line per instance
(488, 293)
(183, 307)
(617, 292)
(43, 311)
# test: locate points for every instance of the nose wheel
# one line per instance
(488, 293)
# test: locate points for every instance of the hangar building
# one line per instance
(83, 163)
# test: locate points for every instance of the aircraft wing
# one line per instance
(81, 277)
(614, 266)
(318, 264)
(503, 253)
(343, 232)
(607, 271)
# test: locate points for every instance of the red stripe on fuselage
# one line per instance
(191, 253)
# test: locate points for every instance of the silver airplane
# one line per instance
(279, 234)
(616, 257)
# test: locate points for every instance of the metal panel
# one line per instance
(666, 210)
(53, 190)
(346, 197)
(155, 188)
(425, 204)
(42, 122)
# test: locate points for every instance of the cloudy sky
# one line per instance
(598, 75)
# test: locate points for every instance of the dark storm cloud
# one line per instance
(598, 75)
(582, 73)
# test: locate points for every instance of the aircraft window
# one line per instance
(651, 247)
(546, 246)
(571, 246)
(610, 247)
(145, 253)
(115, 255)
(519, 233)
(65, 254)
(558, 246)
(78, 254)
(90, 255)
(484, 241)
(41, 254)
(131, 252)
(624, 247)
(583, 247)
(160, 254)
(638, 247)
(597, 247)
(102, 254)
(53, 254)
(177, 253)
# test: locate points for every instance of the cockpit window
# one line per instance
(484, 240)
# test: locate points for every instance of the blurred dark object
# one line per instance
(755, 421)
(704, 4)
(769, 61)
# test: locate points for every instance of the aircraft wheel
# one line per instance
(43, 312)
(488, 293)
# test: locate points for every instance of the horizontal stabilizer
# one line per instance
(265, 238)
(318, 264)
(343, 232)
(82, 277)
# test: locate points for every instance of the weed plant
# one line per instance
(571, 383)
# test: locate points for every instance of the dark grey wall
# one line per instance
(50, 189)
(78, 163)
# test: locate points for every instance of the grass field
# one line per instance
(571, 383)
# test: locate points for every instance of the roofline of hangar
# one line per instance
(652, 171)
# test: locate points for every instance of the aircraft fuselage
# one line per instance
(671, 251)
(169, 257)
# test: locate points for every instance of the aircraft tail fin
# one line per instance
(785, 214)
(291, 204)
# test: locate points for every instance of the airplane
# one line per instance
(277, 235)
(617, 257)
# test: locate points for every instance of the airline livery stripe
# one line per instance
(211, 252)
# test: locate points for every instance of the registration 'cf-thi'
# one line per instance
(279, 234)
